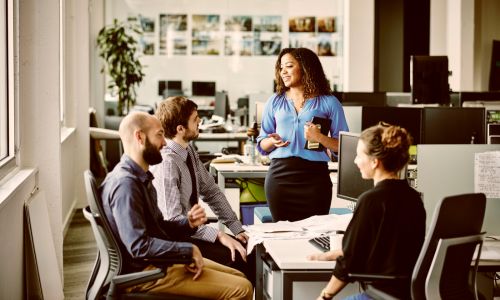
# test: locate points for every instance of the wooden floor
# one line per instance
(79, 254)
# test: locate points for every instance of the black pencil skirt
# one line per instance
(297, 188)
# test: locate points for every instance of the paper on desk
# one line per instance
(303, 229)
(257, 238)
(327, 223)
(281, 226)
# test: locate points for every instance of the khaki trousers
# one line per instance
(216, 282)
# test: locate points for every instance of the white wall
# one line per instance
(487, 29)
(77, 93)
(39, 103)
(59, 154)
(359, 45)
(238, 75)
(464, 30)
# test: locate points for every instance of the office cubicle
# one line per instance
(432, 125)
(361, 98)
(445, 170)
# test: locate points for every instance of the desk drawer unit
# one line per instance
(278, 284)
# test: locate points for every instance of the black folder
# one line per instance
(325, 128)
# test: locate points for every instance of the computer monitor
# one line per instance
(174, 85)
(169, 88)
(203, 88)
(429, 79)
(221, 108)
(350, 184)
(453, 125)
(162, 86)
(406, 117)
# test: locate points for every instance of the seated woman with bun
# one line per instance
(387, 229)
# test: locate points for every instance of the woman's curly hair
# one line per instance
(389, 144)
(313, 76)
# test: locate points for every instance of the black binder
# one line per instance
(325, 128)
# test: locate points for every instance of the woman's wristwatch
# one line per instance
(325, 295)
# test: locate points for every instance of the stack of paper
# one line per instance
(304, 229)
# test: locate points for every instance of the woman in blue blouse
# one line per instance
(298, 184)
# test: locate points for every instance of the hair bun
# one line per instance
(395, 137)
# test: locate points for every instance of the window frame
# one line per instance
(9, 160)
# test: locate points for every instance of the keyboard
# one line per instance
(321, 242)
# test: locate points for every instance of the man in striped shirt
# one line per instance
(181, 179)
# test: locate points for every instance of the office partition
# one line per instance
(406, 117)
(445, 170)
(353, 117)
(453, 125)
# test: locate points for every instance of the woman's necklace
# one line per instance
(298, 103)
(302, 103)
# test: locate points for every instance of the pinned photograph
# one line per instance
(302, 24)
(238, 23)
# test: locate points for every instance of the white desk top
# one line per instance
(222, 136)
(292, 254)
(490, 250)
(237, 167)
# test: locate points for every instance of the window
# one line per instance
(7, 111)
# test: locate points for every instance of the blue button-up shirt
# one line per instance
(130, 204)
(280, 117)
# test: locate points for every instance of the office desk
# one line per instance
(281, 264)
(283, 271)
(235, 170)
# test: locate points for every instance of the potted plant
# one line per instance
(118, 47)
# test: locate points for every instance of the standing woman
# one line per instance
(387, 229)
(298, 184)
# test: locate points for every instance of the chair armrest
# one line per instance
(103, 134)
(131, 279)
(121, 282)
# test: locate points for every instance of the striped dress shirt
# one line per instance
(173, 184)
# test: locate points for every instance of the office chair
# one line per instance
(107, 280)
(443, 268)
(99, 159)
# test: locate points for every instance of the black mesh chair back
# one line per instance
(107, 272)
(108, 262)
(454, 217)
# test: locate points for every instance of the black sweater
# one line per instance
(385, 235)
